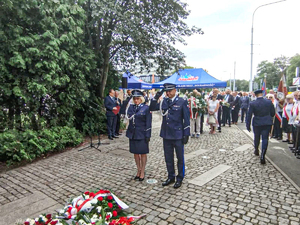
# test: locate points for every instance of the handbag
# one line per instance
(211, 119)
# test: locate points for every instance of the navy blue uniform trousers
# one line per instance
(169, 146)
(262, 131)
(111, 125)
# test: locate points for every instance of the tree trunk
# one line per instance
(105, 67)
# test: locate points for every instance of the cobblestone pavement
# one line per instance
(247, 193)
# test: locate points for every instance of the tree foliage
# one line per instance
(57, 57)
(124, 32)
(291, 71)
(241, 85)
(269, 70)
(43, 58)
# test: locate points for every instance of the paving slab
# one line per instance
(194, 154)
(243, 148)
(30, 206)
(209, 175)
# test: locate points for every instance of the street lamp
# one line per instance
(250, 83)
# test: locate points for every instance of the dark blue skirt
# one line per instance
(138, 146)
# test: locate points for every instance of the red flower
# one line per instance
(69, 210)
(109, 197)
(26, 223)
(114, 213)
(110, 205)
(107, 217)
(92, 195)
(100, 199)
(54, 222)
(87, 192)
(48, 216)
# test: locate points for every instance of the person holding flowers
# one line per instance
(139, 131)
(197, 106)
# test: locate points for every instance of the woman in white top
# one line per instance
(287, 118)
(212, 108)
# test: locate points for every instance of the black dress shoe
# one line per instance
(141, 179)
(256, 152)
(287, 140)
(110, 138)
(220, 131)
(262, 161)
(114, 136)
(136, 178)
(177, 184)
(168, 181)
(229, 125)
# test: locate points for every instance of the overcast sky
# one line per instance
(227, 34)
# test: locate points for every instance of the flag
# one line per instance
(282, 86)
(264, 88)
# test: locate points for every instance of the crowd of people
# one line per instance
(183, 117)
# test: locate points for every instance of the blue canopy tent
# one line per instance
(134, 82)
(192, 78)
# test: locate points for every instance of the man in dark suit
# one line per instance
(118, 120)
(175, 130)
(264, 111)
(110, 105)
(244, 106)
(226, 107)
(145, 97)
(235, 105)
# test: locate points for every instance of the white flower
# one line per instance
(73, 211)
(99, 208)
(82, 222)
(94, 201)
(109, 214)
(61, 211)
(87, 207)
(79, 202)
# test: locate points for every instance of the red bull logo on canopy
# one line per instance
(188, 77)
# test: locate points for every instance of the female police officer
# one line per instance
(139, 132)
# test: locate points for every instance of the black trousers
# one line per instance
(169, 147)
(277, 127)
(118, 121)
(235, 114)
(244, 114)
(262, 131)
(220, 117)
(297, 138)
(226, 115)
(111, 125)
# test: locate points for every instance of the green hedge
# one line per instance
(16, 146)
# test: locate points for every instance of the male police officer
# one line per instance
(264, 112)
(175, 130)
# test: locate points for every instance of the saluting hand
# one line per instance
(158, 94)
